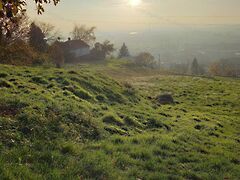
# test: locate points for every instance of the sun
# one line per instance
(135, 3)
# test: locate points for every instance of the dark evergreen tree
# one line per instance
(123, 52)
(37, 38)
(195, 68)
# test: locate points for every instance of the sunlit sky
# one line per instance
(132, 16)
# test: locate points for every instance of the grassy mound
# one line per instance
(76, 123)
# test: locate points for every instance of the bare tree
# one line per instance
(86, 34)
(49, 31)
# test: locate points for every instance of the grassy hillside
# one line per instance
(89, 122)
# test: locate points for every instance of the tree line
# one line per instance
(25, 43)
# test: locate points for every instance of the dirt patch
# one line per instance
(8, 111)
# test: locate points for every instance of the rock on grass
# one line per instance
(165, 99)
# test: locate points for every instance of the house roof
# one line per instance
(74, 44)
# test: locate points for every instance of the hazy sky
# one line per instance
(119, 15)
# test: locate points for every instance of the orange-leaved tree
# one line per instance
(11, 9)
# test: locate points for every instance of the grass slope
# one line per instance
(79, 123)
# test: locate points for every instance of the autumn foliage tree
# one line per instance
(14, 48)
(10, 10)
(57, 54)
(226, 67)
(16, 31)
(145, 59)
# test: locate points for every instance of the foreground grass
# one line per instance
(78, 123)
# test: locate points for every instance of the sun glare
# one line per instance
(135, 3)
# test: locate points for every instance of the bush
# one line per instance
(145, 59)
(20, 53)
(226, 67)
(41, 59)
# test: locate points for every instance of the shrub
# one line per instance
(56, 53)
(145, 59)
(41, 59)
(18, 53)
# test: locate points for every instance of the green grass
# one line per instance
(103, 122)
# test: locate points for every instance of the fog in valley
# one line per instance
(182, 44)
